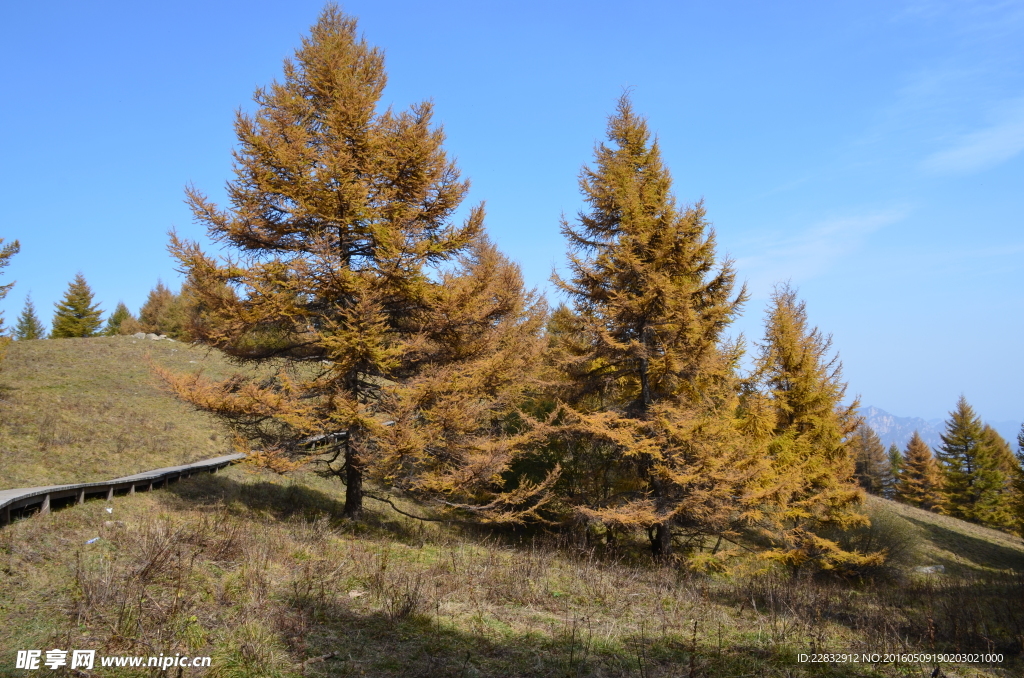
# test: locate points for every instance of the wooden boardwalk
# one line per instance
(44, 499)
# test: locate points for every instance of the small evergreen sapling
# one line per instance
(895, 467)
(29, 326)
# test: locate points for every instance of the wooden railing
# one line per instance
(27, 500)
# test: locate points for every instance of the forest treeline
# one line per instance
(401, 351)
(76, 315)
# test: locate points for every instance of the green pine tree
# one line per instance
(997, 510)
(116, 320)
(895, 467)
(76, 315)
(29, 325)
(973, 482)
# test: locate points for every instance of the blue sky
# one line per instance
(870, 152)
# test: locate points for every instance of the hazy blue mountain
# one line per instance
(893, 429)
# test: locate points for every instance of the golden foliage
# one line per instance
(646, 384)
(397, 340)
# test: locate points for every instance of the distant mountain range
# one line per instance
(893, 429)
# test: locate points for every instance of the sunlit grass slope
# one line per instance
(91, 409)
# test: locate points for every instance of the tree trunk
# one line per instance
(660, 536)
(353, 484)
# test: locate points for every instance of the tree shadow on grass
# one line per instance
(981, 555)
(421, 646)
(289, 501)
(396, 629)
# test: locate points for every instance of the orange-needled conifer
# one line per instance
(647, 382)
(394, 340)
(812, 483)
(166, 313)
(919, 483)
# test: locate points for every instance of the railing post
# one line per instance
(46, 505)
(110, 493)
(132, 491)
(80, 499)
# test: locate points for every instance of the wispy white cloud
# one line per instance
(809, 252)
(983, 20)
(1000, 140)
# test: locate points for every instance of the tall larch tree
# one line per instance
(919, 483)
(871, 463)
(647, 380)
(76, 315)
(798, 392)
(393, 340)
(29, 326)
(971, 474)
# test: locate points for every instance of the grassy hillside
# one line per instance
(263, 574)
(961, 548)
(90, 409)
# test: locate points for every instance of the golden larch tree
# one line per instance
(798, 393)
(919, 483)
(645, 377)
(392, 340)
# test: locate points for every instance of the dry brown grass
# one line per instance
(77, 410)
(264, 575)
